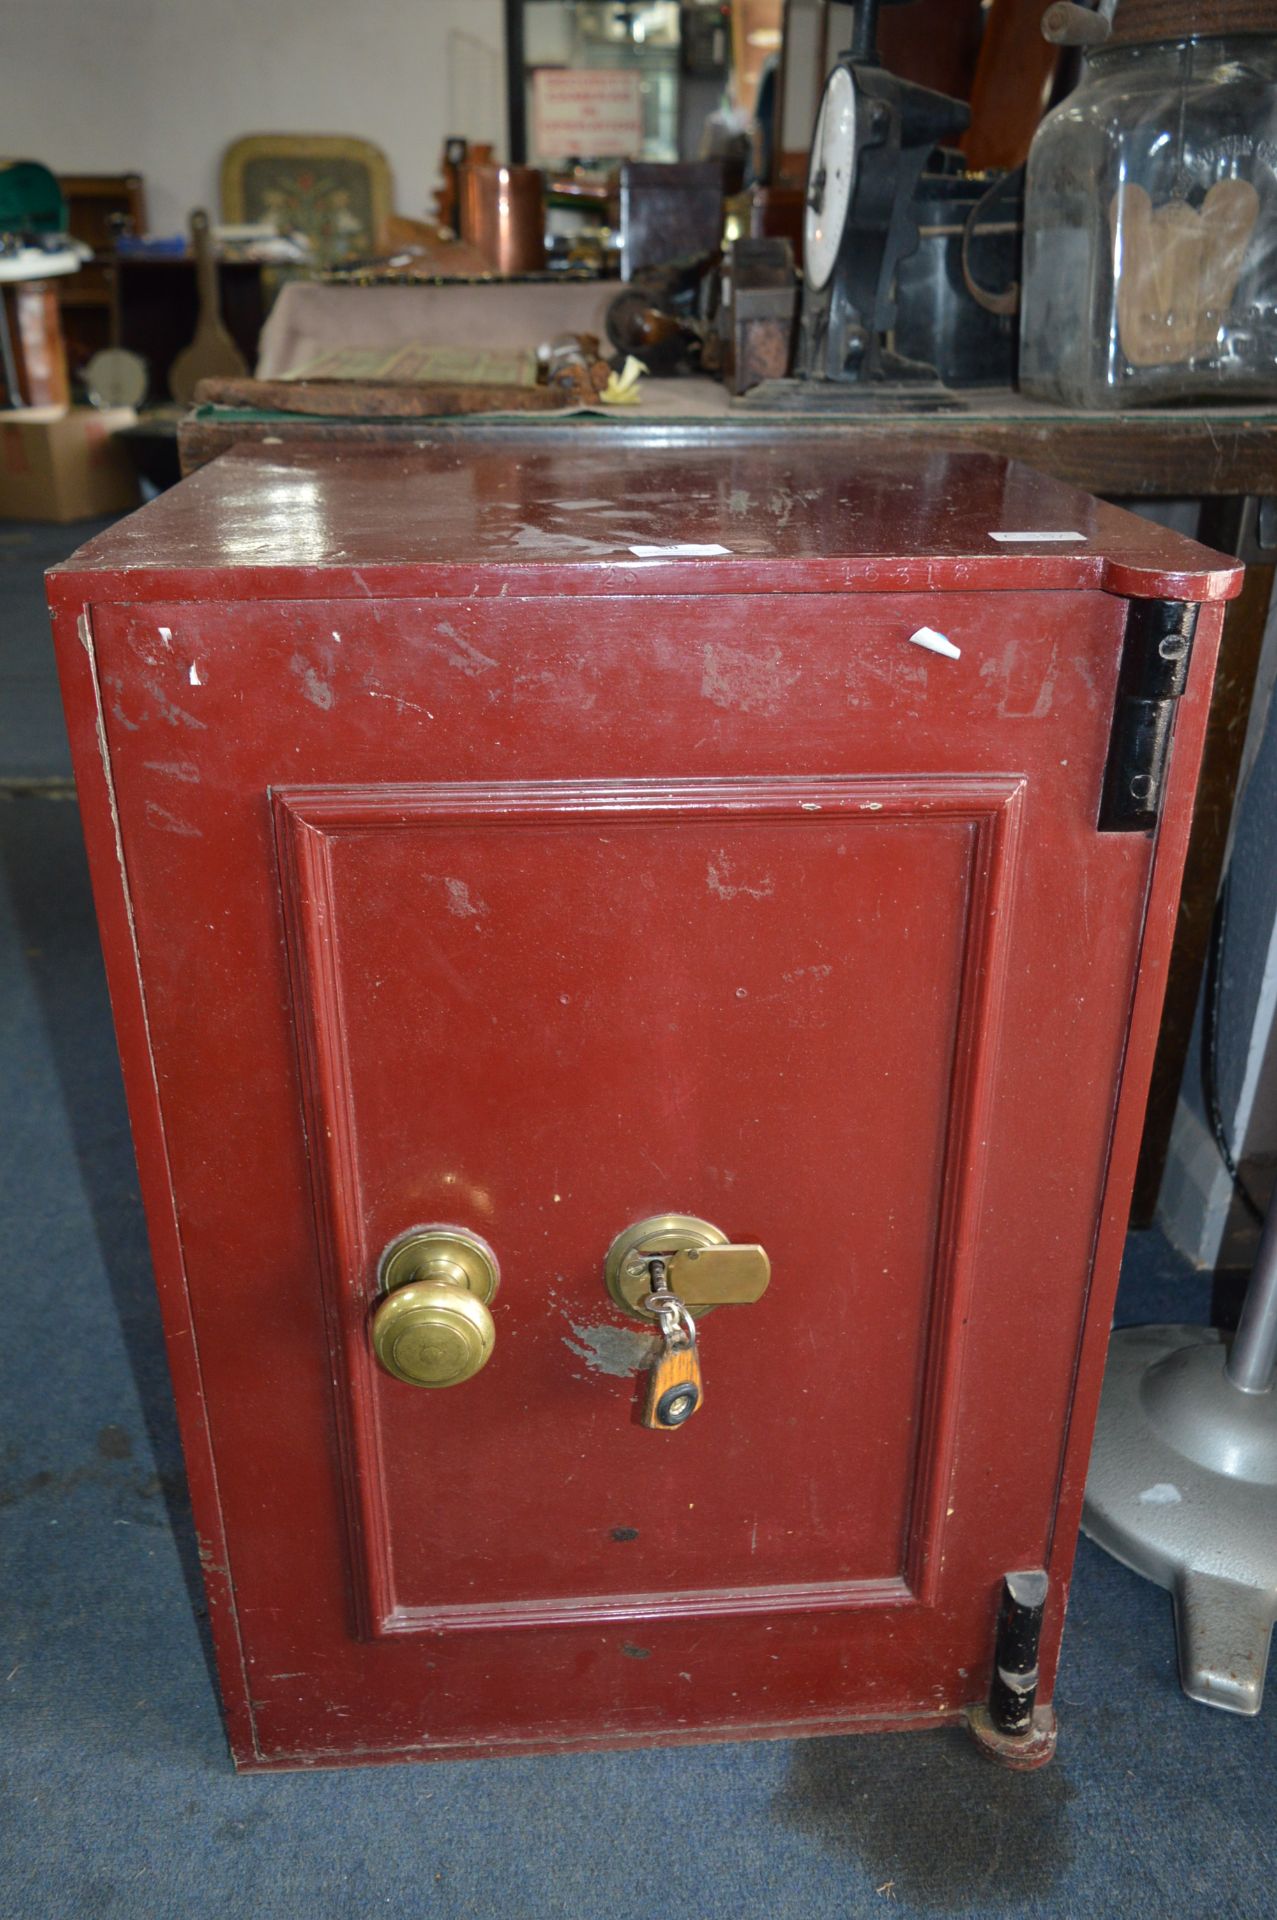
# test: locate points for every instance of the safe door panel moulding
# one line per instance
(515, 894)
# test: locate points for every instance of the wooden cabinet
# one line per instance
(528, 843)
(158, 302)
(101, 208)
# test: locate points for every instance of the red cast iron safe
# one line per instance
(636, 972)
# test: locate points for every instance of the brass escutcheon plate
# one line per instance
(625, 1268)
(440, 1253)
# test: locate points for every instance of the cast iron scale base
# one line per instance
(1183, 1489)
(1183, 1483)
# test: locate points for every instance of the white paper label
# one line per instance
(597, 113)
(936, 643)
(683, 550)
(1049, 533)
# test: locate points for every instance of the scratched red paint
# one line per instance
(481, 872)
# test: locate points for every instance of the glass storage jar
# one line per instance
(1150, 259)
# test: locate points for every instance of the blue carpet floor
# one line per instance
(118, 1798)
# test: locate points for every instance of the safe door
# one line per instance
(499, 955)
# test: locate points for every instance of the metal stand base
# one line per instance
(1022, 1752)
(850, 396)
(1183, 1489)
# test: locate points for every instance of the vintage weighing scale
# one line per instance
(877, 164)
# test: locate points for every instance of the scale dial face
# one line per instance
(830, 177)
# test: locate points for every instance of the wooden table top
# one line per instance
(1180, 452)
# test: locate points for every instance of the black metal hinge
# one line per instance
(1154, 673)
(1012, 1727)
(1014, 1689)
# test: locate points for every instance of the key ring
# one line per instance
(673, 1316)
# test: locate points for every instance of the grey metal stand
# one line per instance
(1183, 1483)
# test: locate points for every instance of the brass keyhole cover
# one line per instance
(431, 1326)
(625, 1268)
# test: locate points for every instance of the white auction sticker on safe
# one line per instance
(936, 643)
(1049, 533)
(682, 550)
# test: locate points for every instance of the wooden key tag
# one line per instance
(673, 1387)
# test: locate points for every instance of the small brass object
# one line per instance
(431, 1327)
(714, 1276)
(704, 1269)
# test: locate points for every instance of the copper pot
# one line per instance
(503, 216)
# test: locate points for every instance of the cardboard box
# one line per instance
(60, 463)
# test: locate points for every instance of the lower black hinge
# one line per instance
(1012, 1728)
(1013, 1692)
(1154, 673)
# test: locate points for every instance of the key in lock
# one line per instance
(674, 1269)
(674, 1389)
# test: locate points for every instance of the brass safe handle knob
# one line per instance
(431, 1326)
